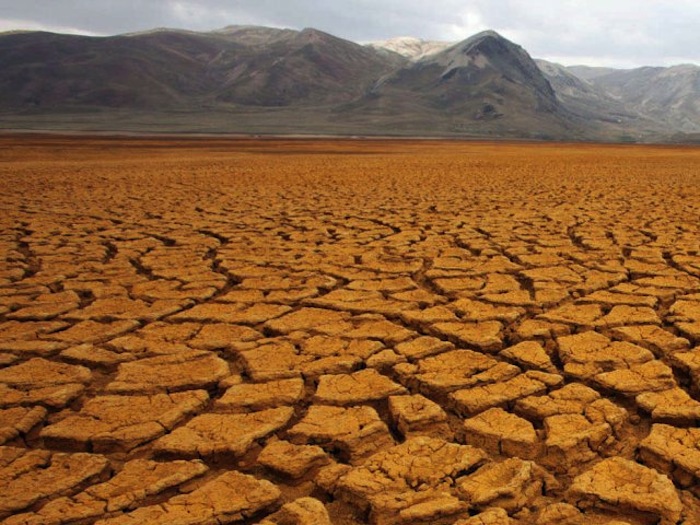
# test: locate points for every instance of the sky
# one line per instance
(614, 33)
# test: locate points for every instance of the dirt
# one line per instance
(313, 332)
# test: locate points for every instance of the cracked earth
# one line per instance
(322, 332)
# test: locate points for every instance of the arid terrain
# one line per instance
(313, 332)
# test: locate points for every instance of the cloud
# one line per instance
(92, 17)
(623, 32)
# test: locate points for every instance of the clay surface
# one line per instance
(285, 331)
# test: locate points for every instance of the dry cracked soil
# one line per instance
(313, 332)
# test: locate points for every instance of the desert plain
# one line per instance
(313, 332)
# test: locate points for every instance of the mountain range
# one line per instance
(263, 80)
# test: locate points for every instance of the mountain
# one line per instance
(485, 84)
(168, 69)
(49, 71)
(306, 67)
(487, 65)
(410, 47)
(266, 80)
(669, 96)
(591, 102)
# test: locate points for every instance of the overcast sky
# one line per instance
(619, 33)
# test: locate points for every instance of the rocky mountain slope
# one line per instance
(257, 79)
(485, 82)
(307, 67)
(594, 103)
(669, 96)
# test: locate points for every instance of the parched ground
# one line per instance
(307, 332)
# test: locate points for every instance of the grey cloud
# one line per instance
(96, 16)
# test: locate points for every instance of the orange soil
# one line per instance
(297, 331)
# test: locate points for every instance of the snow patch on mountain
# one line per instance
(411, 47)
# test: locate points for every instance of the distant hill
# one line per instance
(594, 104)
(257, 80)
(669, 96)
